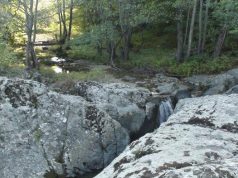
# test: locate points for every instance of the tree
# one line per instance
(180, 40)
(225, 13)
(204, 36)
(71, 7)
(111, 24)
(190, 38)
(200, 27)
(30, 10)
(65, 30)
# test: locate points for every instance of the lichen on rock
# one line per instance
(199, 140)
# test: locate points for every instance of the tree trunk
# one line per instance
(127, 41)
(220, 42)
(199, 49)
(190, 38)
(179, 52)
(60, 21)
(30, 51)
(125, 26)
(70, 19)
(28, 55)
(205, 26)
(64, 22)
(187, 27)
(35, 21)
(112, 53)
(34, 58)
(99, 48)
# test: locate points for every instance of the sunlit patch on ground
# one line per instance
(57, 69)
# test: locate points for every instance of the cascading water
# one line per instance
(164, 111)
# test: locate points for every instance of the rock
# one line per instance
(166, 88)
(36, 76)
(141, 83)
(150, 109)
(234, 73)
(212, 84)
(64, 87)
(129, 79)
(126, 104)
(161, 78)
(233, 90)
(199, 140)
(43, 133)
(182, 94)
(170, 86)
(173, 89)
(32, 74)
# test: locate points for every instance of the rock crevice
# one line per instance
(198, 140)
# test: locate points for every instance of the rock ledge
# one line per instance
(199, 140)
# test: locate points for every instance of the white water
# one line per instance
(57, 69)
(165, 110)
(57, 60)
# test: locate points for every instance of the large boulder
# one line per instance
(212, 84)
(172, 87)
(45, 134)
(233, 90)
(199, 140)
(124, 103)
(234, 73)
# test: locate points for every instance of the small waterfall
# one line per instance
(164, 111)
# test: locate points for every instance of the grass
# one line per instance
(150, 58)
(203, 66)
(164, 59)
(96, 74)
(153, 51)
(160, 59)
(14, 70)
(86, 52)
(150, 51)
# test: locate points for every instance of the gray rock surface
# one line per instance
(233, 90)
(198, 141)
(42, 132)
(124, 103)
(172, 87)
(212, 84)
(234, 73)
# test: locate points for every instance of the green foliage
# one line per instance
(87, 52)
(9, 65)
(157, 59)
(148, 58)
(206, 65)
(7, 57)
(225, 13)
(152, 24)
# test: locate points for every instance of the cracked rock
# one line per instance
(43, 133)
(199, 140)
(125, 104)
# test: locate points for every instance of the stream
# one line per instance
(60, 65)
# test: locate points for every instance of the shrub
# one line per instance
(7, 57)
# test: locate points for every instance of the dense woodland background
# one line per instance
(179, 37)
